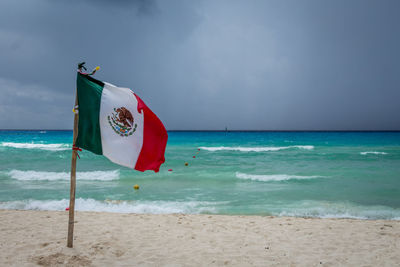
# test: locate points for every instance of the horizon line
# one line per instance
(250, 130)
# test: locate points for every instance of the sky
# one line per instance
(207, 65)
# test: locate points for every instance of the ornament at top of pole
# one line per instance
(82, 66)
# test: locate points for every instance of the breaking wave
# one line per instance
(325, 209)
(51, 147)
(151, 207)
(317, 209)
(254, 149)
(373, 152)
(52, 176)
(273, 177)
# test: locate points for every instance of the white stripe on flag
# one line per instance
(123, 150)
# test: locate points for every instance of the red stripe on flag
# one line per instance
(154, 140)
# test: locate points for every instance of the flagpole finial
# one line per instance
(82, 66)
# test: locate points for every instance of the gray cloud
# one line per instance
(208, 64)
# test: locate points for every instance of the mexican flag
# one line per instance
(116, 123)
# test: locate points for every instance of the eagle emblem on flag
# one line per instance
(122, 122)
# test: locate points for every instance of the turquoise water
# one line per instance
(319, 174)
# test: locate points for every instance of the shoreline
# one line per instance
(396, 219)
(31, 238)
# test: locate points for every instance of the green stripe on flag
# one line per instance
(89, 97)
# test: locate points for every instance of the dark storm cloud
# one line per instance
(207, 64)
(142, 7)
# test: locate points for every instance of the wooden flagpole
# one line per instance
(70, 239)
(73, 178)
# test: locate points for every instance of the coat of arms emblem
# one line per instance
(122, 122)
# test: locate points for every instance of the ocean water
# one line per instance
(317, 174)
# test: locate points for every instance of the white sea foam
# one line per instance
(254, 149)
(152, 207)
(52, 176)
(321, 209)
(373, 152)
(51, 147)
(297, 209)
(272, 177)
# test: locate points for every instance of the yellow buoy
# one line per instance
(136, 187)
(186, 164)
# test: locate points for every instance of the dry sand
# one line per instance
(31, 238)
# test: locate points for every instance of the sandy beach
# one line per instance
(31, 238)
